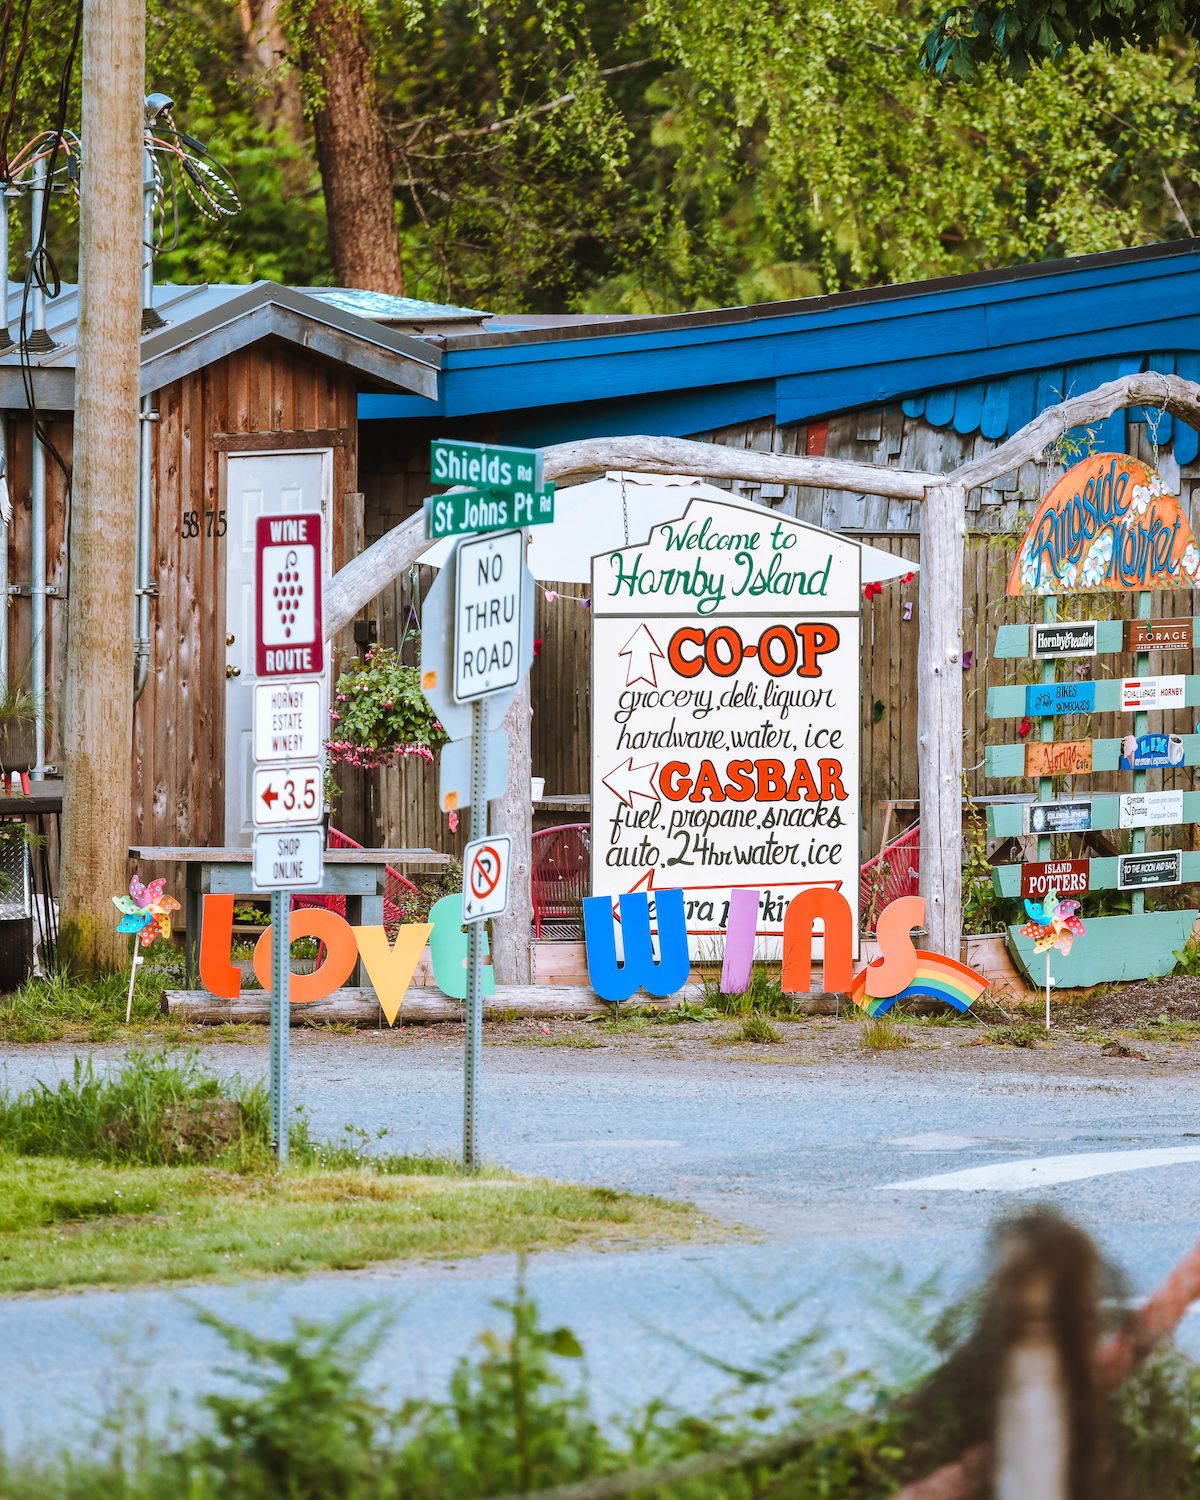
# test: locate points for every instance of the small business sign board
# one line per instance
(1150, 809)
(1060, 698)
(289, 859)
(1069, 877)
(289, 641)
(1058, 817)
(1151, 751)
(1152, 692)
(462, 511)
(1072, 638)
(488, 614)
(484, 465)
(487, 867)
(1058, 757)
(1158, 635)
(1135, 871)
(289, 720)
(288, 796)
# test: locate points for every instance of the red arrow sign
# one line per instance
(270, 795)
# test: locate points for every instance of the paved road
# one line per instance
(847, 1171)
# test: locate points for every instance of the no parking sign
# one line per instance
(487, 864)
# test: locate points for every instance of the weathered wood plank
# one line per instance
(1116, 949)
(1013, 640)
(1009, 760)
(1010, 702)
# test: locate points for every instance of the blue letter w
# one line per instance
(616, 982)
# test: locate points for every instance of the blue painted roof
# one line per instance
(982, 353)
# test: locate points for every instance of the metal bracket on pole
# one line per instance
(281, 973)
(475, 940)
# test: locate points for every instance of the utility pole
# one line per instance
(98, 707)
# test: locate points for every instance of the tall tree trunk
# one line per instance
(277, 101)
(99, 689)
(352, 149)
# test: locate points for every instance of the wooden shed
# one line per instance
(250, 404)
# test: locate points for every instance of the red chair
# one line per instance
(895, 871)
(561, 861)
(395, 889)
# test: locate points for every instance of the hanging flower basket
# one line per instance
(379, 713)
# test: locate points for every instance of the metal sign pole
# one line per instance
(281, 973)
(475, 937)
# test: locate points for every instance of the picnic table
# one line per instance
(357, 874)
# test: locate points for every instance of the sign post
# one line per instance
(476, 647)
(288, 772)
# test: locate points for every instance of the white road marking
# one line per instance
(1035, 1172)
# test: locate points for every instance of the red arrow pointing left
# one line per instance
(270, 795)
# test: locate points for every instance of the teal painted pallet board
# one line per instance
(1005, 819)
(1112, 949)
(1009, 760)
(1102, 874)
(1011, 702)
(1013, 640)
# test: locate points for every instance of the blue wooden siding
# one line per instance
(978, 355)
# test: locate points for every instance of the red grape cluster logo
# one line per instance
(287, 592)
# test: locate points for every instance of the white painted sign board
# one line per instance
(289, 720)
(1150, 809)
(488, 610)
(487, 867)
(725, 715)
(288, 796)
(1152, 692)
(288, 860)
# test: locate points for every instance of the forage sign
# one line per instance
(725, 715)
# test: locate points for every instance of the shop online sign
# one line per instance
(725, 715)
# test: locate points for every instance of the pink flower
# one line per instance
(551, 596)
(452, 819)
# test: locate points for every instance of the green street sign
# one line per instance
(499, 470)
(462, 511)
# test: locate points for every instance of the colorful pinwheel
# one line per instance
(146, 911)
(1053, 924)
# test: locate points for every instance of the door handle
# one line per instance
(233, 672)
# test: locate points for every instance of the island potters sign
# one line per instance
(1069, 877)
(1109, 525)
(725, 715)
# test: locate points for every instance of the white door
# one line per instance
(257, 484)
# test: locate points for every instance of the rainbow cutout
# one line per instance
(938, 977)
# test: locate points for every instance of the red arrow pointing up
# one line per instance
(270, 795)
(641, 648)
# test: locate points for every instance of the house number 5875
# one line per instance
(212, 524)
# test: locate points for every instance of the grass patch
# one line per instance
(57, 1008)
(882, 1034)
(1167, 1029)
(756, 1028)
(158, 1172)
(558, 1039)
(69, 1223)
(1019, 1034)
(764, 995)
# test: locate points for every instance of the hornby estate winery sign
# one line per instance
(725, 714)
(1108, 525)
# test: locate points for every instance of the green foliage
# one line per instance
(1013, 35)
(763, 996)
(1017, 1034)
(756, 1028)
(1187, 960)
(380, 712)
(881, 1034)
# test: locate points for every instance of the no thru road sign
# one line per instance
(488, 610)
(487, 863)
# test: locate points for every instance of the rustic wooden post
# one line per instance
(513, 814)
(940, 713)
(1033, 1430)
(99, 688)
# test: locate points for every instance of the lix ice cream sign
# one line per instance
(1108, 525)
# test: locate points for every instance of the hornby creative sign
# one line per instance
(725, 715)
(1108, 526)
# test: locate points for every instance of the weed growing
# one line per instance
(882, 1034)
(756, 1028)
(764, 996)
(1018, 1034)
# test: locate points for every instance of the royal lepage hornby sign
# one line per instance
(725, 715)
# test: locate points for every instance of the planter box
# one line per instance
(17, 748)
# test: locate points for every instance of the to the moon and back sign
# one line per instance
(725, 714)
